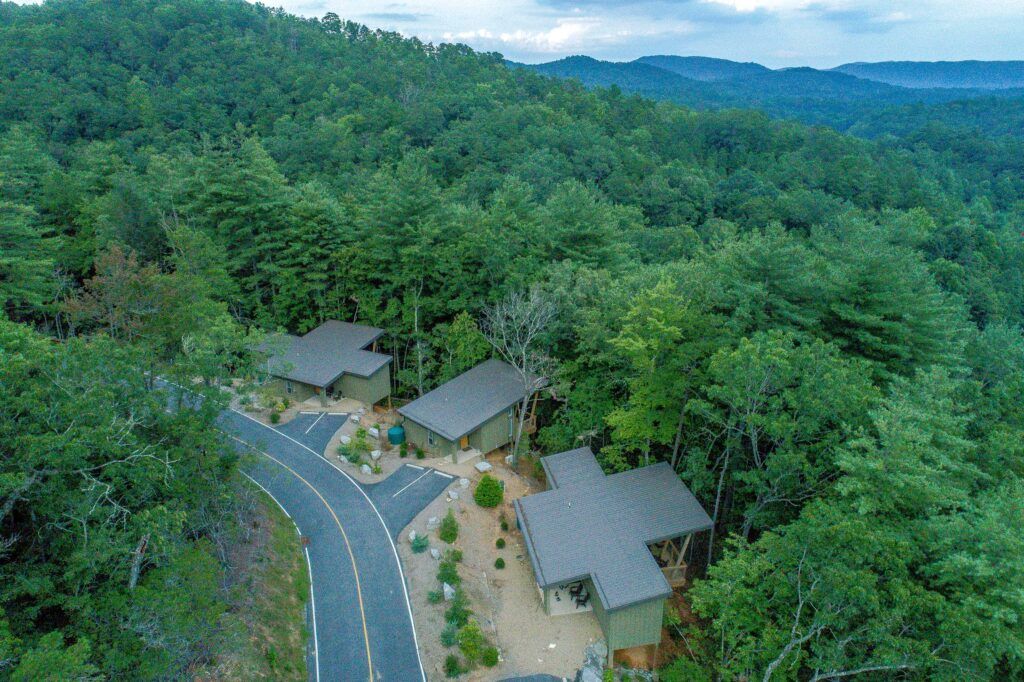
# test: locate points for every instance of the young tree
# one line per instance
(515, 328)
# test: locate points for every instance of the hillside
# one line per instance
(704, 68)
(965, 74)
(820, 334)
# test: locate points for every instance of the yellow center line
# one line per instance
(344, 535)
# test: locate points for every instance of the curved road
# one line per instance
(362, 620)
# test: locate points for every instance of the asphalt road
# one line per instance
(363, 625)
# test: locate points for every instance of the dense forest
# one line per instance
(821, 333)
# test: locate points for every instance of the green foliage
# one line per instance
(452, 666)
(670, 618)
(435, 597)
(403, 450)
(275, 417)
(500, 543)
(503, 523)
(472, 641)
(420, 454)
(458, 611)
(454, 555)
(684, 669)
(450, 635)
(499, 563)
(489, 492)
(447, 572)
(53, 661)
(420, 544)
(448, 531)
(489, 656)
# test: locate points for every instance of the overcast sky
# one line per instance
(819, 33)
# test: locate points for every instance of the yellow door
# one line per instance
(464, 442)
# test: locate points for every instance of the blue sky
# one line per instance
(818, 33)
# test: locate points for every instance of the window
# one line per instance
(288, 387)
(430, 438)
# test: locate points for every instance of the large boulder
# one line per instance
(483, 467)
(365, 470)
(449, 591)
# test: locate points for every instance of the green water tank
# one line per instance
(396, 435)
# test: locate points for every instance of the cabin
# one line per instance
(335, 360)
(614, 545)
(471, 415)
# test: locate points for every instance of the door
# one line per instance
(464, 443)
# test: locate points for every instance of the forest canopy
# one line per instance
(821, 333)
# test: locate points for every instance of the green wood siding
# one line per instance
(369, 390)
(492, 434)
(299, 392)
(631, 626)
(417, 436)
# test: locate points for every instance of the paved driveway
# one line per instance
(403, 494)
(363, 626)
(314, 429)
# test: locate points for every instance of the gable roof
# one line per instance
(324, 354)
(600, 527)
(463, 404)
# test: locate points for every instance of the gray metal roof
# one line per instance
(571, 467)
(600, 528)
(463, 404)
(322, 355)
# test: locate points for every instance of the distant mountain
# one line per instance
(966, 74)
(832, 97)
(704, 68)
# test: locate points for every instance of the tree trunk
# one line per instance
(679, 438)
(519, 429)
(140, 551)
(718, 500)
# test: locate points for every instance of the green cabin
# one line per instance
(470, 415)
(335, 360)
(590, 539)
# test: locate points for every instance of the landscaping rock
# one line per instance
(449, 591)
(365, 470)
(433, 522)
(355, 419)
(375, 455)
(453, 495)
(435, 553)
(345, 440)
(463, 482)
(483, 466)
(412, 535)
(508, 460)
(374, 432)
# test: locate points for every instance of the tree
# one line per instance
(515, 328)
(26, 263)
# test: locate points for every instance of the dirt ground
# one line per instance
(506, 602)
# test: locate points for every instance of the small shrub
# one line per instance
(275, 417)
(670, 617)
(499, 563)
(420, 454)
(454, 555)
(403, 450)
(447, 573)
(350, 454)
(503, 522)
(435, 597)
(489, 657)
(471, 641)
(286, 403)
(450, 635)
(376, 469)
(684, 669)
(608, 676)
(449, 528)
(458, 610)
(489, 492)
(452, 667)
(500, 543)
(420, 544)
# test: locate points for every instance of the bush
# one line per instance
(435, 597)
(377, 469)
(499, 563)
(452, 667)
(504, 522)
(488, 492)
(420, 544)
(454, 555)
(450, 635)
(275, 417)
(449, 528)
(458, 610)
(684, 669)
(447, 573)
(471, 641)
(403, 449)
(350, 454)
(489, 657)
(500, 543)
(420, 454)
(671, 618)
